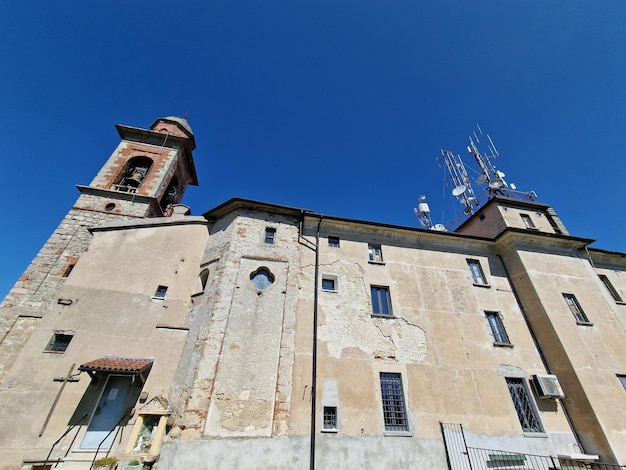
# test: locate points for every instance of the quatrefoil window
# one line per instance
(262, 278)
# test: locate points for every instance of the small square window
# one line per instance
(330, 418)
(270, 235)
(329, 283)
(476, 271)
(375, 253)
(381, 301)
(610, 288)
(160, 293)
(528, 222)
(575, 308)
(333, 242)
(59, 342)
(497, 329)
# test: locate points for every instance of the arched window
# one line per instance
(171, 195)
(134, 173)
(262, 278)
(204, 276)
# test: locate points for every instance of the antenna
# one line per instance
(422, 212)
(462, 187)
(490, 175)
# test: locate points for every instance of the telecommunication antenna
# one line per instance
(489, 173)
(462, 187)
(422, 212)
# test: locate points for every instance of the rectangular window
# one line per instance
(59, 342)
(381, 301)
(375, 253)
(575, 308)
(333, 242)
(497, 328)
(476, 271)
(329, 283)
(330, 418)
(270, 235)
(610, 288)
(528, 222)
(622, 379)
(394, 410)
(524, 405)
(160, 293)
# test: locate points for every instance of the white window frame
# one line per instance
(375, 253)
(477, 273)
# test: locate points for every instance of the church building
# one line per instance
(260, 336)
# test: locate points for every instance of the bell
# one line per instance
(135, 179)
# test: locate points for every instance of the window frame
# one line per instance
(330, 424)
(377, 290)
(270, 236)
(160, 293)
(528, 222)
(374, 250)
(576, 310)
(477, 273)
(59, 347)
(498, 330)
(332, 278)
(393, 401)
(622, 379)
(525, 407)
(333, 241)
(609, 286)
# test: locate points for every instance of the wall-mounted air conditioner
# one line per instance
(547, 386)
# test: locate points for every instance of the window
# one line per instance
(524, 406)
(262, 278)
(270, 235)
(333, 242)
(330, 418)
(394, 411)
(476, 271)
(497, 328)
(381, 302)
(528, 222)
(59, 341)
(611, 289)
(329, 283)
(375, 253)
(622, 379)
(575, 308)
(133, 175)
(160, 293)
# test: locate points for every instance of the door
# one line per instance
(110, 409)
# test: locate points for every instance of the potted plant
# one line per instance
(134, 465)
(105, 463)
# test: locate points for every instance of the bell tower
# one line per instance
(145, 176)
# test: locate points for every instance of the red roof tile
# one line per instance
(127, 365)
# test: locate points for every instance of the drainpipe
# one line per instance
(538, 347)
(314, 358)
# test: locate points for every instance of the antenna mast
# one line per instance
(458, 174)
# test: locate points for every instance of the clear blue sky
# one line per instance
(335, 106)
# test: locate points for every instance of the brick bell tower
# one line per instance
(145, 176)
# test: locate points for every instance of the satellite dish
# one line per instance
(459, 190)
(496, 183)
(440, 227)
(482, 179)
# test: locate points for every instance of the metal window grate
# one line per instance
(526, 412)
(330, 417)
(394, 411)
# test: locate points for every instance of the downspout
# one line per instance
(538, 347)
(314, 358)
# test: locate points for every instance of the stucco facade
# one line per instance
(266, 336)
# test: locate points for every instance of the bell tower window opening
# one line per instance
(171, 195)
(133, 175)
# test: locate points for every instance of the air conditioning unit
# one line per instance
(547, 386)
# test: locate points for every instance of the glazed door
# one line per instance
(107, 414)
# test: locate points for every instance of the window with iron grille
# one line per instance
(394, 409)
(333, 242)
(330, 418)
(497, 328)
(524, 405)
(575, 308)
(610, 288)
(270, 235)
(375, 253)
(476, 271)
(59, 342)
(381, 301)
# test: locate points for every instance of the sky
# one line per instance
(336, 106)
